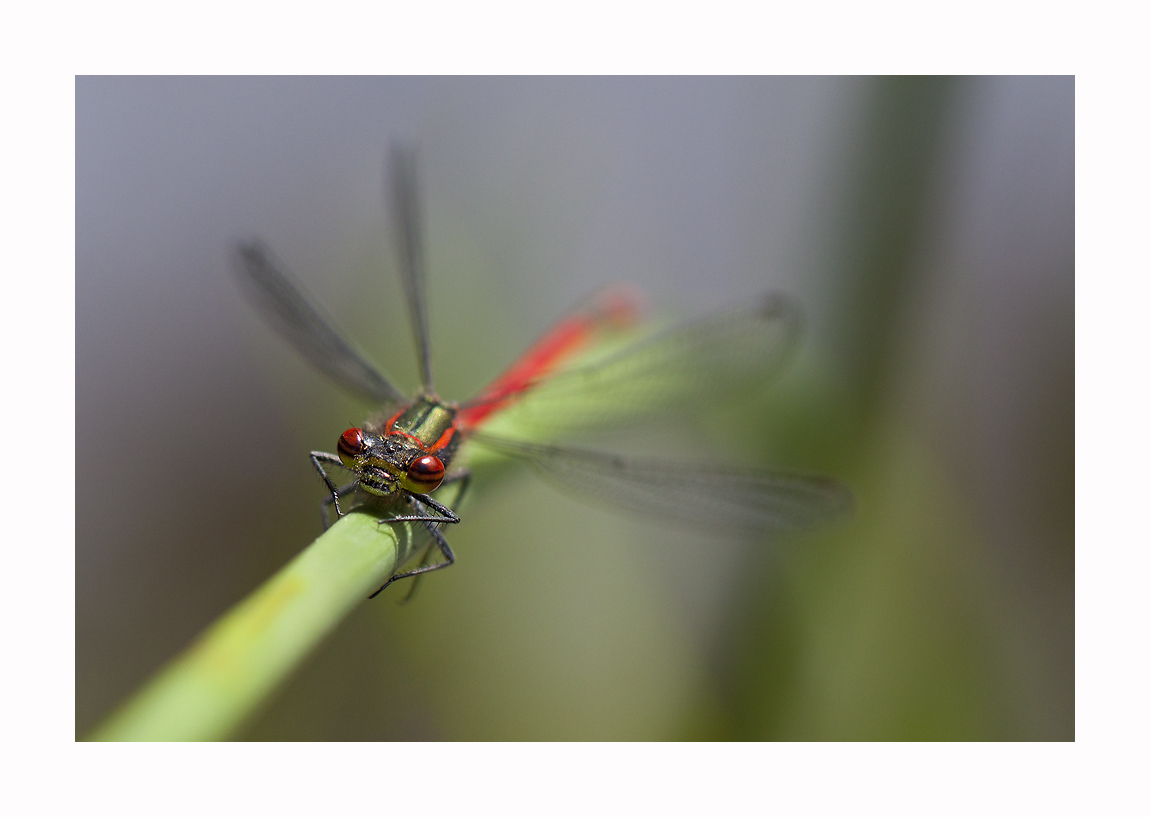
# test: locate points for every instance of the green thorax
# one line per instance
(425, 421)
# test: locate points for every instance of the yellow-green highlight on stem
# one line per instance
(207, 691)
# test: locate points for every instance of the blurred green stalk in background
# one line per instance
(901, 627)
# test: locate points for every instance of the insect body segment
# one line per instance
(613, 309)
(426, 423)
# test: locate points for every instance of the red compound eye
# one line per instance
(424, 475)
(350, 446)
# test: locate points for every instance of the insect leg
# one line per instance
(417, 579)
(463, 477)
(444, 548)
(447, 516)
(329, 500)
(331, 459)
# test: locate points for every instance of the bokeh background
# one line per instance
(925, 224)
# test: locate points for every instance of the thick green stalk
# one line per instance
(205, 692)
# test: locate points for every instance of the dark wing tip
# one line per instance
(251, 258)
(399, 177)
(777, 306)
(250, 248)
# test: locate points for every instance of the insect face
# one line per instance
(389, 462)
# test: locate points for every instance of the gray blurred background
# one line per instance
(927, 227)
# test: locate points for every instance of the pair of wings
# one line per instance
(294, 315)
(679, 370)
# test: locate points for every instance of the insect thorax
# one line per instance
(427, 424)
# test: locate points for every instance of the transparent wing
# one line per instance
(404, 194)
(681, 370)
(295, 316)
(749, 500)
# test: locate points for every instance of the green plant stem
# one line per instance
(207, 691)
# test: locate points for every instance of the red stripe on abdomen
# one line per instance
(615, 308)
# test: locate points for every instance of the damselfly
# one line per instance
(406, 453)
